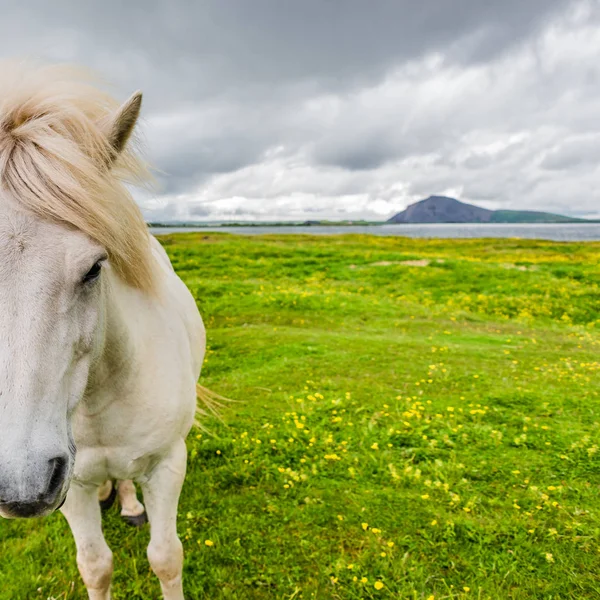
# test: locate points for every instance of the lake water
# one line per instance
(544, 231)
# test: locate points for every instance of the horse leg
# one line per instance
(161, 495)
(132, 510)
(94, 557)
(105, 490)
(107, 494)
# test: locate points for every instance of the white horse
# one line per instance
(101, 343)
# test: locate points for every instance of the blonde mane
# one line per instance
(56, 161)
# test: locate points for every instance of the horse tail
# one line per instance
(209, 404)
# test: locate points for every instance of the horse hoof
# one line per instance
(137, 520)
(108, 502)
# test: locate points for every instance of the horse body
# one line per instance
(141, 394)
(102, 343)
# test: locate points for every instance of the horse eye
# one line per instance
(93, 273)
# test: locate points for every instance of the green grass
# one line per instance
(434, 428)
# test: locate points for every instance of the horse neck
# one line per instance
(114, 353)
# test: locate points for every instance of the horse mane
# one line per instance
(57, 162)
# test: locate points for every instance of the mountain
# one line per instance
(441, 209)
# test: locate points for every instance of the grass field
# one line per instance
(420, 420)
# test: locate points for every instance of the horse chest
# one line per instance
(96, 465)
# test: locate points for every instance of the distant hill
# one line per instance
(531, 216)
(441, 209)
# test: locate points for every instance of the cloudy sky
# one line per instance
(295, 109)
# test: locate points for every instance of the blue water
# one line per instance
(545, 231)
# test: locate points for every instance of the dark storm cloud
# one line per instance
(188, 49)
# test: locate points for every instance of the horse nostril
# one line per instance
(58, 467)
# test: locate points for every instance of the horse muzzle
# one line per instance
(38, 500)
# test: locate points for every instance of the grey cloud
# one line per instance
(364, 153)
(191, 165)
(478, 161)
(200, 210)
(579, 152)
(167, 211)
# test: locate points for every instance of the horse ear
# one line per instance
(121, 125)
